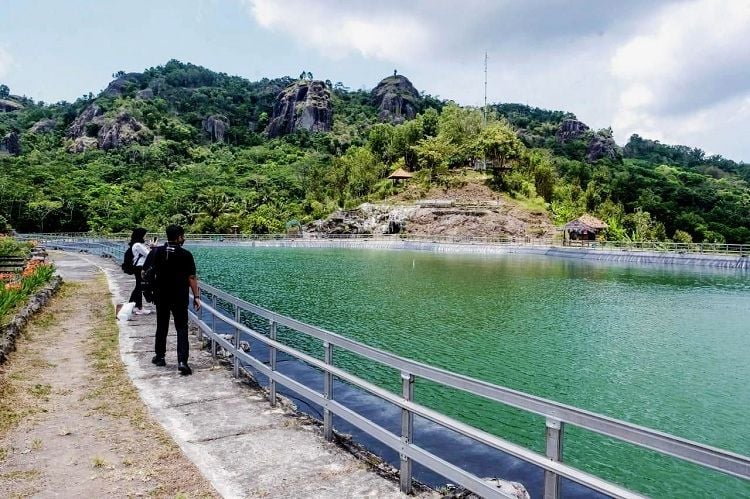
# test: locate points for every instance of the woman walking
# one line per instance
(140, 252)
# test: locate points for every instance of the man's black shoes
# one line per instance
(184, 369)
(158, 361)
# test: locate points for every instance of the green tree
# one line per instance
(499, 144)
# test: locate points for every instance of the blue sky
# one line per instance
(672, 70)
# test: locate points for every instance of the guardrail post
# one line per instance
(213, 326)
(272, 362)
(328, 393)
(554, 452)
(407, 432)
(200, 331)
(236, 363)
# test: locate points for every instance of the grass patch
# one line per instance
(41, 391)
(98, 462)
(18, 476)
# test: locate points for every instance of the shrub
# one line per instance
(17, 287)
(11, 247)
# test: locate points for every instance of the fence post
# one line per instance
(200, 331)
(328, 393)
(554, 439)
(213, 326)
(272, 362)
(407, 432)
(237, 316)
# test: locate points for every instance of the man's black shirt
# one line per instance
(174, 265)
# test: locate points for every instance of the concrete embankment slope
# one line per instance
(610, 255)
(244, 447)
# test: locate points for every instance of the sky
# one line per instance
(677, 71)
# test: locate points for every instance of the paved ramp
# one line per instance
(241, 444)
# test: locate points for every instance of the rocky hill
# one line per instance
(396, 99)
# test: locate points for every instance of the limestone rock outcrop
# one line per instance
(396, 99)
(571, 129)
(145, 94)
(82, 144)
(121, 131)
(43, 126)
(93, 129)
(303, 105)
(8, 106)
(603, 146)
(121, 84)
(215, 126)
(10, 144)
(91, 115)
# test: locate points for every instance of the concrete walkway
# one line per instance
(242, 446)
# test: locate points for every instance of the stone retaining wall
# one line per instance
(11, 330)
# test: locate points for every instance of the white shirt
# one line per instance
(140, 251)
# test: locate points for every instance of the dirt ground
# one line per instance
(71, 422)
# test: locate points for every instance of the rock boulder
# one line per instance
(82, 144)
(121, 131)
(145, 94)
(571, 129)
(122, 84)
(215, 126)
(603, 146)
(10, 144)
(79, 127)
(43, 126)
(93, 129)
(396, 99)
(8, 106)
(303, 105)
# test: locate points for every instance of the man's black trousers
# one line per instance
(177, 306)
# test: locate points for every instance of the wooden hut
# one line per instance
(584, 228)
(400, 175)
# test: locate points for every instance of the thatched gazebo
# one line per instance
(400, 175)
(584, 228)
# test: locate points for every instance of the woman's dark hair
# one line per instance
(138, 236)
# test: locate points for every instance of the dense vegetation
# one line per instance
(176, 172)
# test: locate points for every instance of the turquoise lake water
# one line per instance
(663, 347)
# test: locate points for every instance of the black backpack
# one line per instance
(148, 277)
(127, 262)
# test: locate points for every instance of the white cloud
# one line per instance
(6, 61)
(337, 33)
(686, 75)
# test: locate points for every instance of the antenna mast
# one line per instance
(484, 111)
(485, 89)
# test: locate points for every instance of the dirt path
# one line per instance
(71, 422)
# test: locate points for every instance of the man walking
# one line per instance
(175, 275)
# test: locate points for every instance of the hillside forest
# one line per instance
(182, 144)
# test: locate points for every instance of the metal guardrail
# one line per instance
(557, 415)
(742, 250)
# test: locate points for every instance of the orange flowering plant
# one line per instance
(16, 287)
